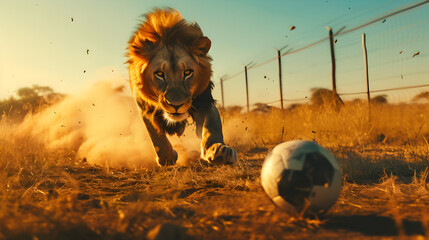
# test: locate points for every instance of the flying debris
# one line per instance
(87, 51)
(383, 21)
(84, 71)
(400, 52)
(416, 54)
(292, 28)
(402, 77)
(265, 76)
(71, 19)
(335, 40)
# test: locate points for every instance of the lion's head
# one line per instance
(168, 63)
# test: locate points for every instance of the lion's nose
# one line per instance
(175, 97)
(175, 105)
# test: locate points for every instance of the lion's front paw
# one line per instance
(219, 153)
(166, 159)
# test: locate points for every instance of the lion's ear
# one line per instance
(202, 46)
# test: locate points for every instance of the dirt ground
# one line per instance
(74, 200)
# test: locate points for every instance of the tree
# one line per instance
(262, 107)
(421, 96)
(325, 98)
(30, 100)
(380, 99)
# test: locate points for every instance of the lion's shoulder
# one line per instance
(205, 100)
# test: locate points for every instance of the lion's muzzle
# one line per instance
(176, 104)
(176, 101)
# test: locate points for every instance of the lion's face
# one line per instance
(173, 73)
(173, 76)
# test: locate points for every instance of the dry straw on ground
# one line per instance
(54, 193)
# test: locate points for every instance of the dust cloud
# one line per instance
(102, 124)
(237, 131)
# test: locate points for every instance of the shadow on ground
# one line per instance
(373, 225)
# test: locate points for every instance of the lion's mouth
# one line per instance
(176, 117)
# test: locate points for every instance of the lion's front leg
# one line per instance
(166, 155)
(209, 127)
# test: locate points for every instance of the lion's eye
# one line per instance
(187, 73)
(159, 75)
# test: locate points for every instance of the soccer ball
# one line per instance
(301, 177)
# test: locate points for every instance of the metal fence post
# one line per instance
(221, 91)
(280, 78)
(247, 87)
(365, 62)
(331, 43)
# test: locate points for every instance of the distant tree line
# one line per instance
(322, 98)
(28, 100)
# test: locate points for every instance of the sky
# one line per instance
(69, 45)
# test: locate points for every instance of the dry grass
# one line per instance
(389, 124)
(52, 195)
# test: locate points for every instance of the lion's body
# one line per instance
(170, 75)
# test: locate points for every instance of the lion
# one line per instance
(170, 71)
